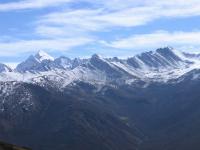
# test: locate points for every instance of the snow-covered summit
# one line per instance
(36, 63)
(41, 55)
(162, 64)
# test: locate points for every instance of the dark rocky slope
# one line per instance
(6, 146)
(57, 121)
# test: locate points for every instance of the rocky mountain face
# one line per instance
(146, 102)
(41, 119)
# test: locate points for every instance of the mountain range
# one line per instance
(161, 65)
(145, 102)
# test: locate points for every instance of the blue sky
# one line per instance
(80, 28)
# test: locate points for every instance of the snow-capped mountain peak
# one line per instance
(96, 56)
(41, 55)
(36, 63)
(162, 64)
(4, 68)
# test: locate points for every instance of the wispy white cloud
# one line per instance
(30, 4)
(109, 13)
(115, 13)
(24, 46)
(62, 29)
(158, 39)
(49, 31)
(106, 15)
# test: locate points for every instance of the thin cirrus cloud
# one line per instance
(34, 4)
(24, 46)
(110, 15)
(30, 4)
(96, 20)
(70, 27)
(157, 39)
